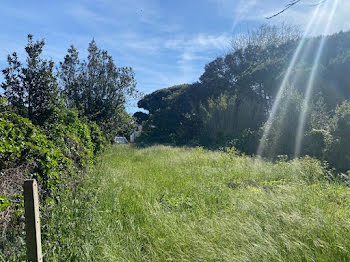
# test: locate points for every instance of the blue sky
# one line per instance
(166, 42)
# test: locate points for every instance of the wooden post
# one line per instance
(33, 234)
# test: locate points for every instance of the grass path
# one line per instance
(171, 204)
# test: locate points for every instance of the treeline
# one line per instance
(231, 102)
(55, 119)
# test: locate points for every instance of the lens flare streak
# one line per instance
(283, 85)
(310, 84)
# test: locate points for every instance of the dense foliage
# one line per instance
(54, 122)
(231, 102)
(31, 91)
(97, 88)
(23, 144)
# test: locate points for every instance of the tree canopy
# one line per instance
(232, 100)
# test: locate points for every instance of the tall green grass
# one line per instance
(173, 204)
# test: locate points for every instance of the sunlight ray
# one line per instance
(285, 81)
(310, 84)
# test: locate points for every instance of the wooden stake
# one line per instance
(32, 219)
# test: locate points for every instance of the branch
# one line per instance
(292, 3)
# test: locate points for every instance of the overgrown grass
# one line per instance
(171, 204)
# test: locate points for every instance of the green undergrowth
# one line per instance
(24, 144)
(175, 204)
(55, 154)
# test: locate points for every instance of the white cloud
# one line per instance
(186, 50)
(133, 42)
(200, 48)
(199, 42)
(123, 14)
(243, 9)
(189, 53)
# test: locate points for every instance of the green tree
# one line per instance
(315, 143)
(32, 90)
(283, 127)
(70, 76)
(252, 72)
(14, 91)
(339, 151)
(140, 117)
(97, 88)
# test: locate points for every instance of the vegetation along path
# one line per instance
(174, 204)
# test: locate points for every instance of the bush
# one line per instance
(72, 137)
(51, 155)
(247, 141)
(338, 153)
(25, 152)
(97, 138)
(315, 143)
(22, 143)
(283, 127)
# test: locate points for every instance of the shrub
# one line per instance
(338, 153)
(21, 143)
(315, 143)
(3, 104)
(50, 155)
(283, 126)
(97, 138)
(247, 141)
(72, 137)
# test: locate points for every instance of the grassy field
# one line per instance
(171, 204)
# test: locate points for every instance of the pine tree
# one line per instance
(32, 90)
(97, 87)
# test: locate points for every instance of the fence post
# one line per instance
(32, 220)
